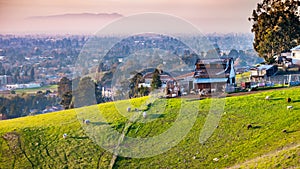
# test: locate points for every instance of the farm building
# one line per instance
(214, 74)
(263, 71)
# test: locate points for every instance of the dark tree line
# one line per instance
(22, 74)
(23, 105)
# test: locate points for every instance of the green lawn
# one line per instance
(34, 90)
(265, 145)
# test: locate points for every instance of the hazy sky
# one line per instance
(210, 16)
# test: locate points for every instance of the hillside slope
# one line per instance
(37, 141)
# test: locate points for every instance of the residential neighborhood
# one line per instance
(39, 68)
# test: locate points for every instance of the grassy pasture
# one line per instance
(272, 142)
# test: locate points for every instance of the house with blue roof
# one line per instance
(214, 74)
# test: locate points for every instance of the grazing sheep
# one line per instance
(267, 98)
(87, 121)
(288, 100)
(128, 109)
(144, 114)
(65, 136)
(216, 159)
(289, 107)
(249, 126)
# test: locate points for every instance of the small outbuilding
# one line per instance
(263, 71)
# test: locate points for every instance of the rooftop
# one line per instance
(210, 80)
(263, 67)
(296, 48)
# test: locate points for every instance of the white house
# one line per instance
(295, 55)
(23, 86)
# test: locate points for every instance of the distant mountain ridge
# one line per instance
(80, 15)
(75, 23)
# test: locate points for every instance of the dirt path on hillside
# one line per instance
(270, 154)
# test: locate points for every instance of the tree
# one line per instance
(144, 91)
(156, 82)
(276, 27)
(84, 94)
(65, 92)
(8, 72)
(64, 86)
(134, 84)
(32, 74)
(2, 70)
(66, 100)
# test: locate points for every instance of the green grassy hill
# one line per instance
(272, 142)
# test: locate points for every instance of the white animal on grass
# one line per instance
(144, 114)
(267, 98)
(65, 136)
(289, 107)
(87, 121)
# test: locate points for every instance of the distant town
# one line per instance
(38, 70)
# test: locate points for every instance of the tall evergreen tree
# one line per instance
(64, 86)
(156, 82)
(2, 70)
(276, 27)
